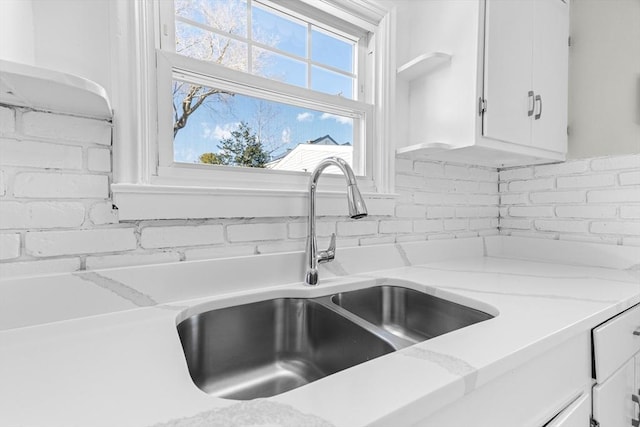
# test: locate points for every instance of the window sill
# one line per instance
(147, 202)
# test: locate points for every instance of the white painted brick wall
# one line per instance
(361, 227)
(102, 213)
(256, 232)
(54, 201)
(586, 181)
(298, 230)
(78, 242)
(44, 185)
(630, 178)
(593, 211)
(556, 197)
(188, 235)
(584, 200)
(3, 184)
(50, 214)
(99, 159)
(616, 162)
(630, 212)
(9, 246)
(63, 220)
(66, 128)
(531, 184)
(7, 120)
(39, 154)
(396, 226)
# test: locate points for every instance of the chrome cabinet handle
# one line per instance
(532, 103)
(537, 116)
(330, 253)
(637, 331)
(636, 399)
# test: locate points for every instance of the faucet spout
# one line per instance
(357, 210)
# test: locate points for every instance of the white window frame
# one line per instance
(149, 186)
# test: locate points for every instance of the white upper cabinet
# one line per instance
(507, 70)
(501, 98)
(550, 74)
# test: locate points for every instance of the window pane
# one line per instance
(238, 130)
(229, 16)
(279, 67)
(196, 43)
(331, 50)
(279, 32)
(333, 83)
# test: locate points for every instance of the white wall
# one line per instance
(17, 31)
(71, 36)
(604, 78)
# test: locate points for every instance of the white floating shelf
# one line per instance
(422, 150)
(422, 65)
(44, 89)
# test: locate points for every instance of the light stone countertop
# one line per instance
(101, 348)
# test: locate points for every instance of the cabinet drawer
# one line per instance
(614, 342)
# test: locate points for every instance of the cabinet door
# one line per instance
(636, 390)
(550, 74)
(508, 60)
(575, 415)
(612, 404)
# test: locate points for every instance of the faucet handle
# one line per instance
(330, 253)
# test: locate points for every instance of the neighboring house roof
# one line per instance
(305, 157)
(324, 140)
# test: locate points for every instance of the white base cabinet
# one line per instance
(577, 414)
(592, 380)
(612, 400)
(616, 351)
(531, 395)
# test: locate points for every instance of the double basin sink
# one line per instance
(265, 348)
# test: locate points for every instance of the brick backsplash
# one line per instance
(56, 214)
(587, 200)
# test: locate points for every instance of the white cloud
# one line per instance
(305, 117)
(286, 135)
(219, 132)
(340, 119)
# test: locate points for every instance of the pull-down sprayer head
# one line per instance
(357, 208)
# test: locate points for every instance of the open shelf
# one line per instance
(422, 65)
(44, 89)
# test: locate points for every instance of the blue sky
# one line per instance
(286, 127)
(283, 126)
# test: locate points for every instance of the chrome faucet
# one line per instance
(357, 210)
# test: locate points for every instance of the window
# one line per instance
(319, 109)
(243, 96)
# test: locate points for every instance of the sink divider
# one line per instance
(394, 341)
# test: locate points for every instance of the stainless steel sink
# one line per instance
(408, 314)
(266, 348)
(269, 347)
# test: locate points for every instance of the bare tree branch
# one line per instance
(209, 46)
